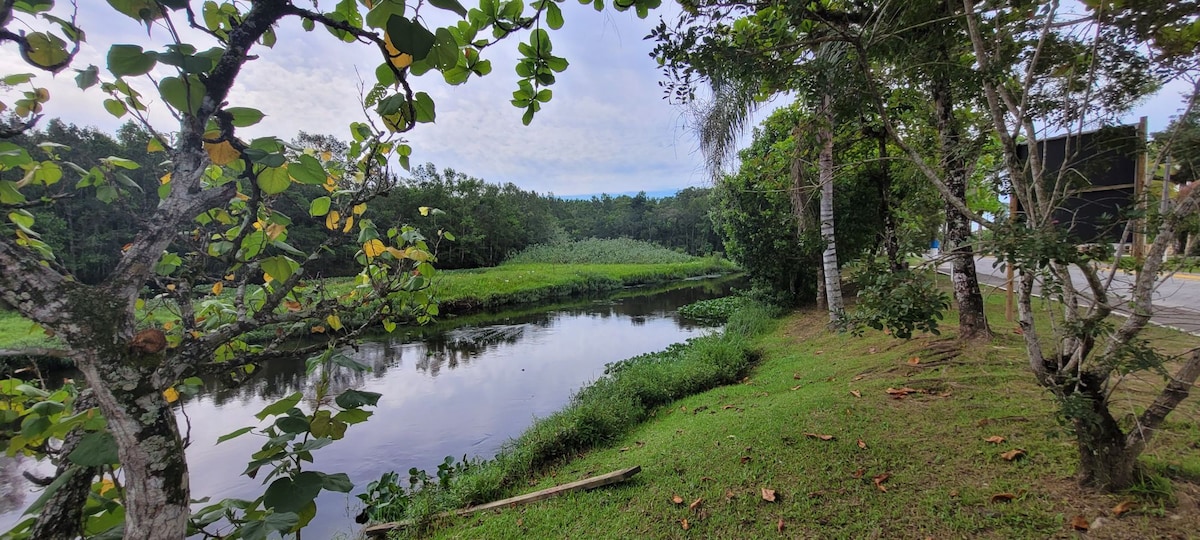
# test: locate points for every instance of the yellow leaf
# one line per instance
(332, 219)
(221, 153)
(326, 155)
(165, 179)
(106, 486)
(349, 224)
(274, 230)
(154, 146)
(258, 225)
(267, 277)
(360, 208)
(168, 325)
(170, 286)
(171, 395)
(334, 321)
(395, 252)
(398, 59)
(194, 334)
(228, 277)
(318, 329)
(424, 210)
(373, 248)
(218, 287)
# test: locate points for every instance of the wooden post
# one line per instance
(585, 484)
(1139, 195)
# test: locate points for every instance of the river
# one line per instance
(461, 391)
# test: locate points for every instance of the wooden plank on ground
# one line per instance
(580, 485)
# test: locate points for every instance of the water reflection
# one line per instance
(460, 391)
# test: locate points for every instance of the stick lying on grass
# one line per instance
(585, 484)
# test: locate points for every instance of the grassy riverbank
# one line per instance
(845, 458)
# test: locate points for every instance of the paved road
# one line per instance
(1176, 300)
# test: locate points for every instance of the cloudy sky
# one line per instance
(607, 130)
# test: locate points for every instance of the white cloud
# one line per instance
(606, 130)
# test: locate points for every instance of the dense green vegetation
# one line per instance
(714, 310)
(907, 454)
(489, 222)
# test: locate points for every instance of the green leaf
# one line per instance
(280, 268)
(307, 170)
(17, 78)
(557, 64)
(281, 406)
(291, 495)
(274, 180)
(554, 16)
(445, 51)
(353, 399)
(94, 450)
(87, 78)
(130, 60)
(46, 408)
(279, 522)
(338, 482)
(450, 5)
(244, 116)
(410, 37)
(184, 96)
(115, 107)
(353, 416)
(424, 107)
(319, 206)
(46, 50)
(291, 424)
(383, 10)
(234, 434)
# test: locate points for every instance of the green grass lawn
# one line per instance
(918, 466)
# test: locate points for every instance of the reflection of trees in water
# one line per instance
(454, 348)
(462, 345)
(13, 486)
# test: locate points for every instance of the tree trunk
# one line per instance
(891, 240)
(829, 261)
(148, 443)
(972, 321)
(1104, 461)
(62, 515)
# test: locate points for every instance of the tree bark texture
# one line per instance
(972, 321)
(148, 445)
(1105, 462)
(829, 261)
(61, 518)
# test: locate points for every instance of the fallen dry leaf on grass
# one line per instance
(745, 459)
(696, 503)
(856, 393)
(819, 352)
(819, 436)
(879, 480)
(797, 387)
(1119, 509)
(684, 524)
(859, 473)
(1080, 523)
(677, 499)
(862, 444)
(1013, 454)
(796, 376)
(901, 392)
(857, 378)
(914, 360)
(768, 494)
(1002, 497)
(995, 439)
(779, 525)
(729, 494)
(872, 350)
(706, 479)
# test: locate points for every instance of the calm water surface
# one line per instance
(460, 392)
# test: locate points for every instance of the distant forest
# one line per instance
(489, 221)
